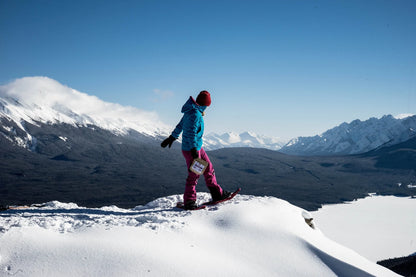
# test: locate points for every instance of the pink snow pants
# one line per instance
(192, 180)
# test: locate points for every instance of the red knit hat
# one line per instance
(204, 98)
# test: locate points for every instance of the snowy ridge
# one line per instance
(247, 139)
(356, 137)
(41, 99)
(264, 236)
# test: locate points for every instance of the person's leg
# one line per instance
(210, 179)
(191, 180)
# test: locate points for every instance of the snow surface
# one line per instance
(247, 236)
(377, 227)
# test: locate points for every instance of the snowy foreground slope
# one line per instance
(248, 236)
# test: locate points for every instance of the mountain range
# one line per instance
(355, 137)
(37, 100)
(214, 141)
(346, 139)
(52, 147)
(43, 100)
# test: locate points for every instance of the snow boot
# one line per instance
(225, 194)
(190, 205)
(216, 196)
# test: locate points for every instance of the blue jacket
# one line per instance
(192, 125)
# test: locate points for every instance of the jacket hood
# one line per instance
(192, 105)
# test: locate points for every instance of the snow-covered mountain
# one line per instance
(355, 137)
(247, 236)
(37, 100)
(246, 139)
(41, 100)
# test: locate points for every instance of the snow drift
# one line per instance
(247, 236)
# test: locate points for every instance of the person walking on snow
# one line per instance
(192, 126)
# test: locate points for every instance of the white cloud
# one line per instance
(161, 95)
(403, 115)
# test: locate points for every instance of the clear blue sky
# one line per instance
(278, 68)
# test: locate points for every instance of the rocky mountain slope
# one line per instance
(355, 137)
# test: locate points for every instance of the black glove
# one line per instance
(194, 153)
(168, 141)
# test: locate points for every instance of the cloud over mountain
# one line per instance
(45, 100)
